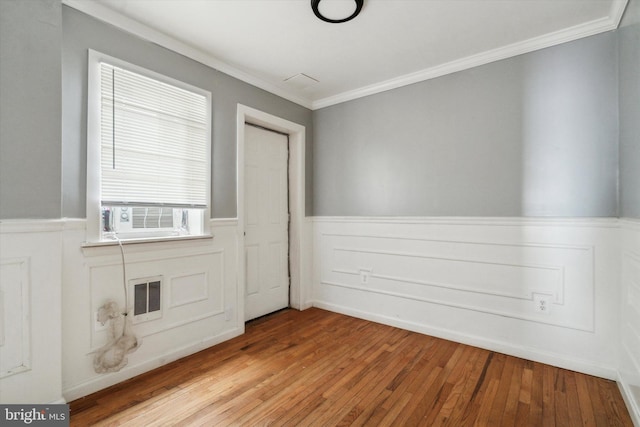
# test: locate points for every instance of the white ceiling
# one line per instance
(390, 44)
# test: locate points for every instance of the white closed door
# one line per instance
(266, 222)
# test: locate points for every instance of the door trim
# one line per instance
(297, 244)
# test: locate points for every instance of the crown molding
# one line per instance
(586, 29)
(136, 28)
(617, 11)
(103, 13)
(488, 221)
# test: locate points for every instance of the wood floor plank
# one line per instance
(315, 368)
(491, 372)
(500, 400)
(535, 405)
(426, 383)
(549, 375)
(586, 408)
(395, 410)
(614, 407)
(561, 406)
(573, 401)
(458, 379)
(379, 394)
(438, 395)
(511, 404)
(340, 403)
(596, 402)
(484, 406)
(389, 406)
(469, 390)
(452, 389)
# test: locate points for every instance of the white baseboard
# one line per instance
(548, 358)
(108, 380)
(306, 305)
(627, 396)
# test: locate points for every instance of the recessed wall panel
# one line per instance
(252, 263)
(252, 195)
(188, 289)
(14, 317)
(447, 267)
(275, 265)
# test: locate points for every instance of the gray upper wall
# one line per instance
(629, 54)
(82, 32)
(30, 112)
(533, 135)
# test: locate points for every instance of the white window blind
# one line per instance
(153, 142)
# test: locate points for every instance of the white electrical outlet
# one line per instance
(542, 303)
(364, 276)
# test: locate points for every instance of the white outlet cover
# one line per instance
(542, 303)
(364, 276)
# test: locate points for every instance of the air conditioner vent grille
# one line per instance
(152, 217)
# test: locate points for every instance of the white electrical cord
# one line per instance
(112, 356)
(124, 276)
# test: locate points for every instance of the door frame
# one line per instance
(296, 186)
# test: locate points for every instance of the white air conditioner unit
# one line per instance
(128, 219)
(130, 222)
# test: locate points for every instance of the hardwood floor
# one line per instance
(325, 369)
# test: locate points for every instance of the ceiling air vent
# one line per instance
(301, 81)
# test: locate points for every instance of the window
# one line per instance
(148, 153)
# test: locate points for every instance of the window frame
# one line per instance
(93, 193)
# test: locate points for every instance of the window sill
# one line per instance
(163, 239)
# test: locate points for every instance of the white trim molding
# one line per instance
(31, 307)
(482, 220)
(32, 225)
(298, 227)
(15, 303)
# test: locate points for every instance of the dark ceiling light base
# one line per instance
(316, 3)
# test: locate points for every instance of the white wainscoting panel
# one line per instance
(15, 319)
(193, 288)
(199, 300)
(30, 327)
(473, 280)
(480, 281)
(629, 378)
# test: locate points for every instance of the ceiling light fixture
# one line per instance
(316, 3)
